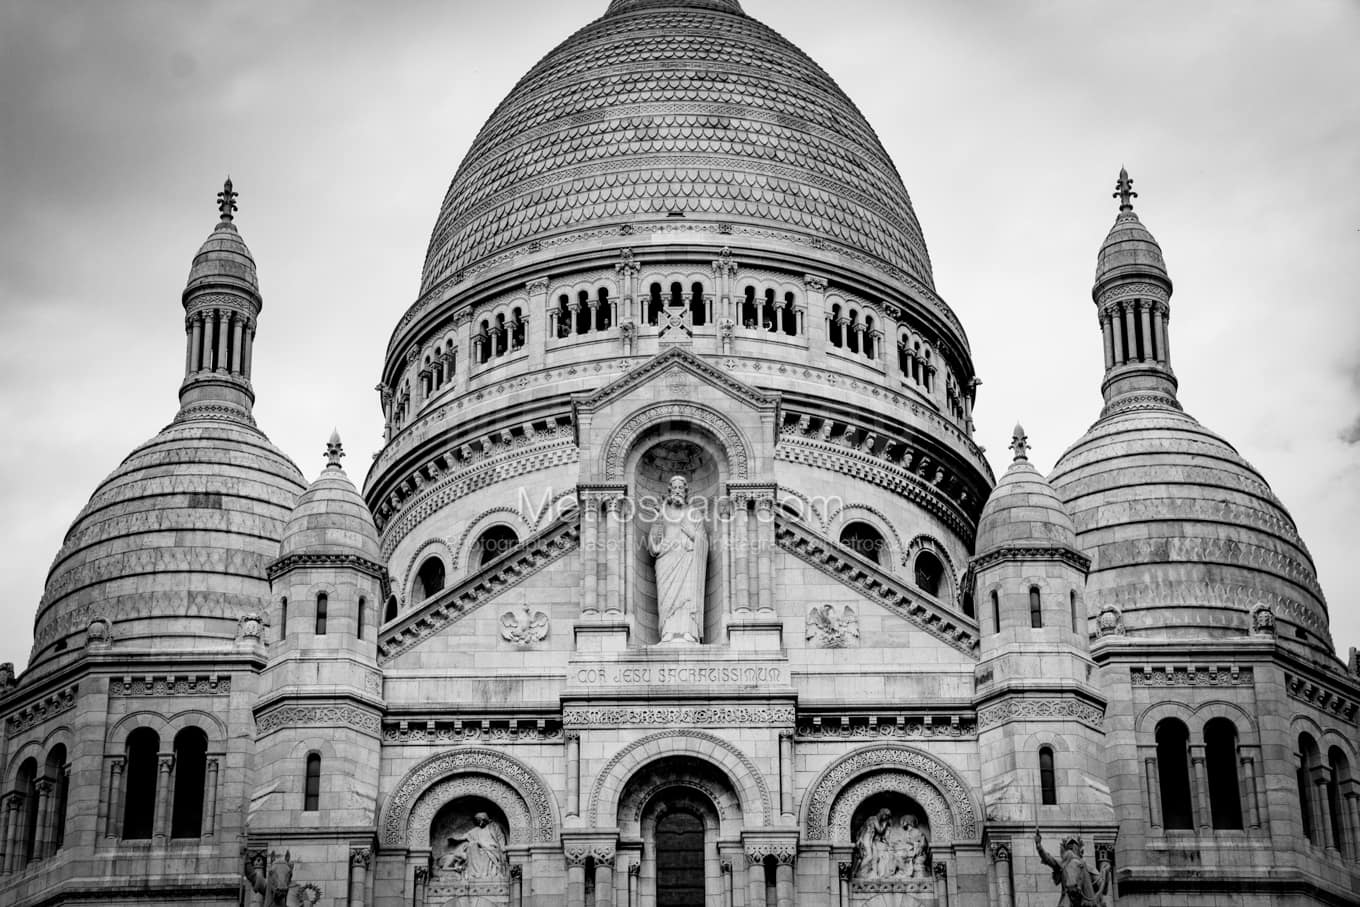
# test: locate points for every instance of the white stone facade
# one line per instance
(453, 687)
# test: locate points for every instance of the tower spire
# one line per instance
(1020, 443)
(1132, 293)
(221, 306)
(334, 450)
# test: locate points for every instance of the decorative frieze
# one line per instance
(170, 685)
(1036, 709)
(473, 730)
(48, 707)
(678, 716)
(1320, 697)
(317, 716)
(1190, 676)
(879, 727)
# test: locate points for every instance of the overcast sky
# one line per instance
(341, 124)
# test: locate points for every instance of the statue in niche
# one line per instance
(1078, 886)
(479, 854)
(679, 542)
(890, 849)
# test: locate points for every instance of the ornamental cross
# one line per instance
(226, 200)
(1123, 190)
(1020, 443)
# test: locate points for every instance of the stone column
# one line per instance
(115, 817)
(604, 879)
(1250, 794)
(573, 773)
(193, 361)
(422, 878)
(1130, 332)
(165, 795)
(1001, 863)
(462, 327)
(815, 287)
(14, 832)
(1350, 807)
(576, 878)
(223, 322)
(517, 886)
(786, 772)
(1200, 786)
(843, 880)
(1108, 337)
(1154, 790)
(755, 879)
(1322, 811)
(248, 342)
(613, 557)
(942, 884)
(210, 799)
(1116, 332)
(634, 876)
(573, 312)
(237, 326)
(590, 554)
(358, 875)
(42, 839)
(6, 820)
(1164, 347)
(764, 553)
(741, 544)
(783, 879)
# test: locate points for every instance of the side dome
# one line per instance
(331, 517)
(679, 113)
(1185, 537)
(1023, 510)
(172, 547)
(224, 259)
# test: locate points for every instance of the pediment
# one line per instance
(663, 364)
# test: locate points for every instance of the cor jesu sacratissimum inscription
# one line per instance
(676, 675)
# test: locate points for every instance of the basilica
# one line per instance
(680, 579)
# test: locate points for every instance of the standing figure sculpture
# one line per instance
(478, 855)
(679, 542)
(911, 848)
(874, 856)
(271, 881)
(1077, 884)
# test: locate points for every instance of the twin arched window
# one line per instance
(188, 782)
(1220, 770)
(41, 800)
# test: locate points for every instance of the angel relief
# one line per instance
(475, 854)
(524, 627)
(829, 629)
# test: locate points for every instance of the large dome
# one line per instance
(172, 547)
(674, 112)
(1185, 536)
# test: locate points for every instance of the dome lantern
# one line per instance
(1132, 293)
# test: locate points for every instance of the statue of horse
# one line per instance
(273, 882)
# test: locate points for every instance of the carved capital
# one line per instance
(1000, 852)
(812, 282)
(576, 856)
(941, 871)
(423, 875)
(166, 763)
(516, 872)
(635, 868)
(360, 857)
(843, 869)
(1104, 853)
(537, 286)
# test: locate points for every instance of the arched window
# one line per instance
(677, 299)
(139, 783)
(1173, 772)
(868, 337)
(750, 317)
(604, 315)
(491, 544)
(1072, 599)
(1310, 760)
(58, 772)
(679, 853)
(655, 305)
(835, 333)
(904, 358)
(1220, 763)
(484, 338)
(583, 312)
(698, 309)
(996, 612)
(1048, 781)
(1036, 612)
(191, 762)
(563, 317)
(429, 579)
(359, 618)
(968, 607)
(27, 787)
(502, 338)
(790, 316)
(929, 572)
(769, 318)
(866, 541)
(1340, 776)
(516, 329)
(852, 332)
(390, 610)
(311, 785)
(322, 606)
(283, 617)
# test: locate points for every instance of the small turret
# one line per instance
(1132, 293)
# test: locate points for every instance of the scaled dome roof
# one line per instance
(1023, 511)
(172, 547)
(331, 517)
(664, 109)
(1185, 536)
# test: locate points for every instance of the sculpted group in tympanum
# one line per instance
(890, 848)
(475, 856)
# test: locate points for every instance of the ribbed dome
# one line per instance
(1184, 535)
(1129, 250)
(223, 259)
(1024, 511)
(674, 113)
(331, 518)
(172, 547)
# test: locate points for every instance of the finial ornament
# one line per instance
(1123, 190)
(226, 200)
(1020, 442)
(334, 450)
